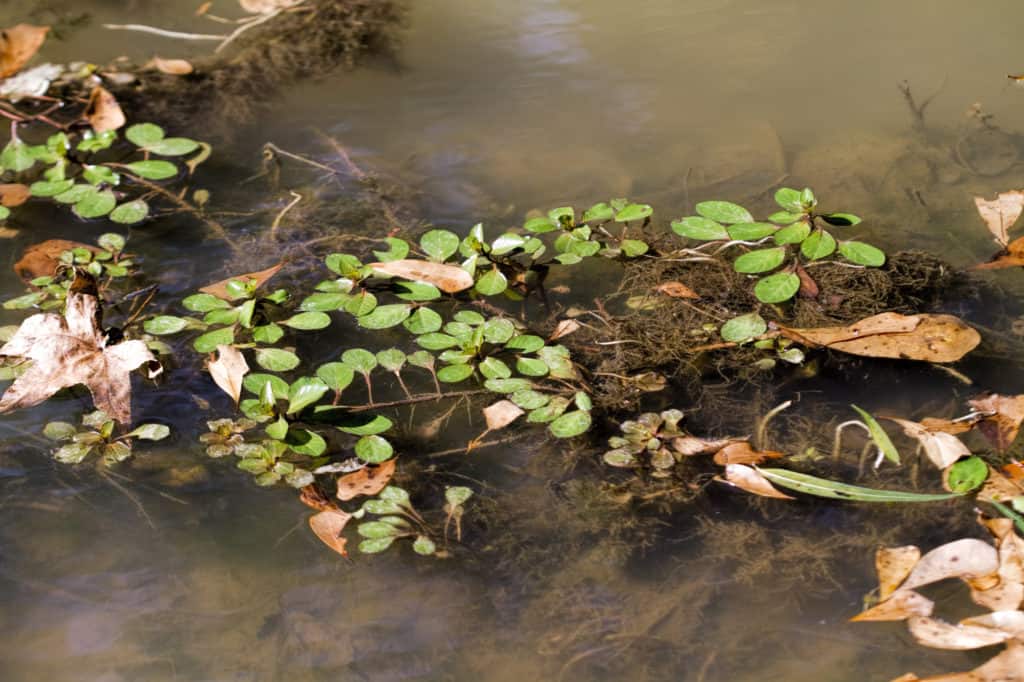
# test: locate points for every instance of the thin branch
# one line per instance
(277, 221)
(422, 398)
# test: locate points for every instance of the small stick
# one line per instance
(277, 221)
(141, 28)
(245, 27)
(414, 399)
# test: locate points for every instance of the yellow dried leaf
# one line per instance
(219, 289)
(893, 565)
(369, 480)
(967, 558)
(903, 604)
(228, 370)
(501, 414)
(103, 112)
(448, 278)
(328, 526)
(942, 448)
(751, 480)
(18, 44)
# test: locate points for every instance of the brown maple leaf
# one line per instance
(73, 349)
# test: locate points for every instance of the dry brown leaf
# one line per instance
(43, 259)
(948, 425)
(448, 278)
(967, 559)
(228, 370)
(1002, 426)
(266, 6)
(939, 634)
(219, 289)
(501, 414)
(14, 194)
(1006, 667)
(17, 45)
(564, 328)
(103, 112)
(8, 233)
(999, 488)
(367, 481)
(676, 290)
(808, 287)
(931, 338)
(72, 349)
(943, 449)
(1007, 592)
(172, 67)
(328, 526)
(1001, 213)
(314, 499)
(902, 605)
(893, 565)
(751, 480)
(1010, 622)
(740, 452)
(203, 8)
(689, 446)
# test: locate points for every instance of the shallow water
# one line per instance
(493, 109)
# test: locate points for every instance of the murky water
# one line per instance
(492, 109)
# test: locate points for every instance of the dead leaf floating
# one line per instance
(328, 526)
(893, 565)
(103, 112)
(258, 279)
(1003, 418)
(43, 259)
(1001, 213)
(367, 481)
(501, 414)
(70, 350)
(750, 479)
(448, 278)
(14, 194)
(228, 370)
(19, 44)
(942, 448)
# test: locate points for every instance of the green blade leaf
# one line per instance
(879, 436)
(821, 487)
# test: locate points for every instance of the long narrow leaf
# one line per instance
(823, 487)
(1018, 520)
(879, 436)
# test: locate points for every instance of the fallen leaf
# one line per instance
(893, 565)
(1001, 213)
(1007, 592)
(17, 45)
(931, 338)
(228, 370)
(740, 452)
(313, 498)
(903, 604)
(1009, 622)
(943, 449)
(203, 8)
(676, 290)
(564, 328)
(1015, 471)
(967, 559)
(948, 425)
(1010, 257)
(72, 349)
(938, 634)
(367, 481)
(448, 278)
(43, 259)
(14, 194)
(751, 480)
(1002, 425)
(8, 233)
(219, 289)
(172, 67)
(328, 526)
(501, 414)
(808, 287)
(103, 112)
(1008, 666)
(999, 488)
(690, 446)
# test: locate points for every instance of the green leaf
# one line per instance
(99, 175)
(308, 321)
(600, 212)
(153, 170)
(967, 474)
(786, 218)
(457, 495)
(378, 423)
(144, 134)
(360, 359)
(633, 247)
(130, 212)
(173, 146)
(633, 212)
(361, 303)
(812, 485)
(548, 413)
(793, 234)
(421, 358)
(724, 212)
(73, 453)
(385, 528)
(506, 243)
(531, 367)
(439, 245)
(777, 288)
(208, 342)
(807, 199)
(391, 359)
(397, 250)
(584, 401)
(164, 324)
(751, 231)
(375, 545)
(761, 260)
(23, 302)
(493, 368)
(862, 254)
(59, 431)
(423, 321)
(789, 200)
(150, 432)
(386, 316)
(744, 328)
(344, 264)
(525, 343)
(95, 204)
(424, 545)
(492, 283)
(818, 245)
(417, 291)
(498, 330)
(323, 302)
(541, 225)
(17, 156)
(50, 189)
(879, 436)
(267, 333)
(304, 392)
(276, 359)
(279, 429)
(256, 383)
(507, 385)
(337, 375)
(436, 341)
(453, 374)
(202, 303)
(373, 449)
(219, 317)
(570, 424)
(840, 219)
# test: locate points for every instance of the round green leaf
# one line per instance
(308, 321)
(173, 146)
(967, 474)
(841, 219)
(633, 247)
(633, 212)
(361, 304)
(789, 200)
(360, 359)
(423, 321)
(862, 254)
(818, 245)
(323, 302)
(761, 260)
(386, 316)
(95, 204)
(377, 424)
(130, 212)
(507, 385)
(144, 134)
(525, 343)
(267, 333)
(153, 170)
(373, 449)
(751, 231)
(51, 189)
(304, 392)
(276, 359)
(337, 375)
(777, 288)
(208, 342)
(436, 341)
(570, 424)
(391, 359)
(541, 225)
(493, 282)
(397, 250)
(164, 324)
(744, 328)
(439, 245)
(376, 545)
(59, 431)
(724, 212)
(702, 229)
(793, 234)
(531, 367)
(203, 303)
(453, 374)
(493, 368)
(150, 432)
(424, 545)
(256, 383)
(498, 330)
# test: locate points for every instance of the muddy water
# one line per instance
(184, 571)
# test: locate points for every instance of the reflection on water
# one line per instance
(182, 574)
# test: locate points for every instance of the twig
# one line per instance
(141, 28)
(245, 27)
(277, 221)
(481, 444)
(422, 398)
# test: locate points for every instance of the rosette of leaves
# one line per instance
(646, 439)
(790, 238)
(96, 173)
(97, 434)
(592, 234)
(225, 435)
(107, 264)
(396, 519)
(271, 461)
(748, 328)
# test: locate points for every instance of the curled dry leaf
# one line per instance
(501, 414)
(1001, 213)
(750, 479)
(172, 67)
(72, 349)
(103, 112)
(999, 488)
(17, 45)
(228, 370)
(689, 446)
(219, 289)
(931, 338)
(949, 425)
(14, 194)
(43, 259)
(901, 605)
(367, 481)
(564, 328)
(893, 565)
(328, 526)
(676, 290)
(1002, 422)
(1010, 622)
(314, 499)
(968, 559)
(1010, 257)
(448, 278)
(1007, 591)
(943, 449)
(938, 634)
(740, 452)
(1006, 667)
